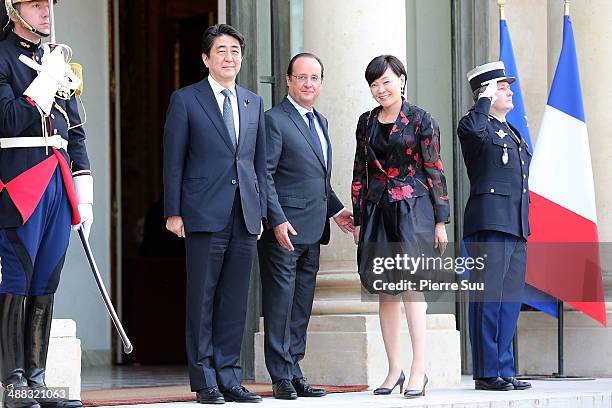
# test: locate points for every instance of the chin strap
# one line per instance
(11, 11)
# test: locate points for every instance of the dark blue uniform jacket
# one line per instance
(20, 118)
(499, 191)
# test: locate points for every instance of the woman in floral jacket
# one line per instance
(399, 196)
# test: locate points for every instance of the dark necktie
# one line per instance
(228, 116)
(313, 133)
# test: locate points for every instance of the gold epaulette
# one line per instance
(78, 71)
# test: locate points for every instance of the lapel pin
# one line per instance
(246, 102)
(501, 133)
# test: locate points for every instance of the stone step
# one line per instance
(348, 349)
(544, 394)
(64, 358)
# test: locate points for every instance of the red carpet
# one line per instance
(177, 393)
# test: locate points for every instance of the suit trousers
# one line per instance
(218, 270)
(493, 312)
(288, 282)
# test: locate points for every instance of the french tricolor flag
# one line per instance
(563, 258)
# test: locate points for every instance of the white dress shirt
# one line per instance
(217, 88)
(303, 111)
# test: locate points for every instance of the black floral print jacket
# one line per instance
(414, 167)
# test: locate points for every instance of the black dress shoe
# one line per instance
(240, 394)
(517, 384)
(304, 389)
(210, 395)
(282, 389)
(493, 384)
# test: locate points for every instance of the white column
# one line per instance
(346, 36)
(593, 34)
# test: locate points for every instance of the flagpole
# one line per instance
(502, 11)
(560, 368)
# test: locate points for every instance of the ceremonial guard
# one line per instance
(495, 224)
(45, 187)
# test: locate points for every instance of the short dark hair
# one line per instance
(306, 55)
(213, 32)
(377, 67)
(478, 91)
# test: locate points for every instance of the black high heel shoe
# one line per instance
(387, 391)
(417, 393)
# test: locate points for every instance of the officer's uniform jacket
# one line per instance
(19, 117)
(497, 160)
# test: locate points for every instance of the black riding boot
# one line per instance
(12, 374)
(39, 314)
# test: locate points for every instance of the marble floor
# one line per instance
(544, 394)
(93, 378)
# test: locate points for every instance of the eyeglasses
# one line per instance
(315, 79)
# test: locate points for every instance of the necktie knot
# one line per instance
(310, 116)
(226, 93)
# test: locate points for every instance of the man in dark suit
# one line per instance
(214, 184)
(496, 225)
(300, 203)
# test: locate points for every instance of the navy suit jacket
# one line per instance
(499, 193)
(202, 169)
(299, 184)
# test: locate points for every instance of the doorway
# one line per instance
(159, 53)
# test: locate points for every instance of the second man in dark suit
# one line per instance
(300, 203)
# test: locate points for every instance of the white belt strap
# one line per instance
(54, 141)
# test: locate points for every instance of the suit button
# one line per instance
(523, 162)
(234, 182)
(492, 190)
(524, 176)
(524, 190)
(520, 149)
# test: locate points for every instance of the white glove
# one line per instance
(490, 91)
(83, 187)
(53, 74)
